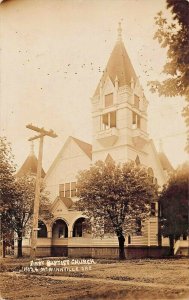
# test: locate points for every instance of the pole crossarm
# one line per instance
(44, 132)
(36, 137)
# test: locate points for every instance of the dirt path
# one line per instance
(107, 281)
(131, 280)
(119, 282)
(17, 286)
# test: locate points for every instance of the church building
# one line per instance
(120, 122)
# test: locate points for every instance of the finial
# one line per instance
(31, 149)
(119, 31)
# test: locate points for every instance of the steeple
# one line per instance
(119, 110)
(119, 65)
(29, 166)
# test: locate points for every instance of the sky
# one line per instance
(52, 56)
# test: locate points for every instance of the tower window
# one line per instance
(108, 101)
(112, 119)
(109, 120)
(105, 121)
(135, 120)
(136, 101)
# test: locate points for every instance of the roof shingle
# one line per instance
(119, 65)
(29, 167)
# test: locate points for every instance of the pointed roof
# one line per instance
(87, 148)
(66, 201)
(29, 167)
(109, 159)
(166, 165)
(119, 65)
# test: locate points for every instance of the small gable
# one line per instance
(109, 159)
(108, 87)
(61, 205)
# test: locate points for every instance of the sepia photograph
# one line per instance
(94, 149)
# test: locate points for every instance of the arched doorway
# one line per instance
(59, 229)
(79, 227)
(42, 232)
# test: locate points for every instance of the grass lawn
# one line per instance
(131, 279)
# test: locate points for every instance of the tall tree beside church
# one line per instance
(174, 200)
(22, 209)
(16, 198)
(115, 196)
(174, 36)
(7, 191)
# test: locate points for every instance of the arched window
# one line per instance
(78, 227)
(42, 232)
(59, 229)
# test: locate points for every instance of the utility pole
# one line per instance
(42, 132)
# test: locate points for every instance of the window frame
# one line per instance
(108, 98)
(136, 101)
(73, 191)
(109, 120)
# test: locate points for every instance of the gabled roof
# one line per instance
(151, 143)
(66, 201)
(29, 167)
(119, 65)
(166, 165)
(87, 148)
(109, 159)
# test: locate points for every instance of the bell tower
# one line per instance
(119, 110)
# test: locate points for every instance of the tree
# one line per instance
(7, 170)
(17, 198)
(174, 36)
(22, 209)
(115, 196)
(174, 201)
